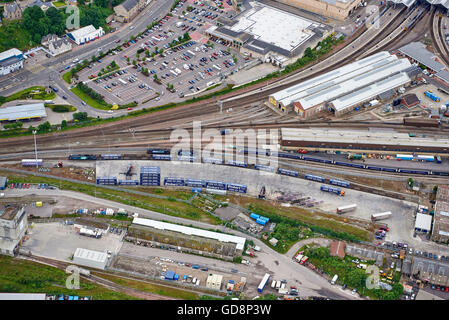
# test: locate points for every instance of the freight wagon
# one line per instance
(194, 183)
(236, 187)
(421, 122)
(288, 172)
(111, 157)
(340, 183)
(174, 182)
(314, 178)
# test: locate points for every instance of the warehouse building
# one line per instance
(190, 239)
(440, 231)
(423, 222)
(360, 141)
(262, 31)
(10, 61)
(13, 226)
(341, 90)
(84, 225)
(336, 9)
(90, 258)
(214, 281)
(23, 112)
(86, 34)
(3, 183)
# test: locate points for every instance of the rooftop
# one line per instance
(423, 221)
(337, 248)
(8, 213)
(417, 51)
(90, 255)
(10, 53)
(82, 32)
(26, 111)
(239, 241)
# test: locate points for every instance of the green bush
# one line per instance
(61, 108)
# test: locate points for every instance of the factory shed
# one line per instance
(23, 112)
(90, 258)
(239, 241)
(86, 34)
(417, 51)
(346, 103)
(423, 222)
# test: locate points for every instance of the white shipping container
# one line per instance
(347, 208)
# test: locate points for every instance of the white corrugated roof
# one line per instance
(334, 74)
(83, 32)
(34, 110)
(22, 296)
(423, 221)
(343, 78)
(90, 255)
(354, 83)
(239, 241)
(371, 91)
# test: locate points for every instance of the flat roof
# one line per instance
(26, 111)
(275, 26)
(407, 3)
(329, 76)
(371, 91)
(239, 241)
(92, 255)
(417, 51)
(9, 213)
(386, 137)
(423, 221)
(443, 74)
(22, 296)
(355, 83)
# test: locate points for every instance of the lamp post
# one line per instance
(35, 148)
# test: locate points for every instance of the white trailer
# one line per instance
(343, 209)
(278, 284)
(380, 216)
(273, 284)
(122, 81)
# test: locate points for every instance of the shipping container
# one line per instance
(254, 216)
(210, 184)
(343, 209)
(111, 156)
(404, 157)
(380, 216)
(340, 183)
(31, 162)
(314, 178)
(263, 168)
(194, 183)
(236, 187)
(213, 160)
(237, 163)
(169, 181)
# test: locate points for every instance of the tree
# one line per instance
(80, 116)
(63, 124)
(44, 127)
(93, 59)
(134, 62)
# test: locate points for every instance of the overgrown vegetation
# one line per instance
(36, 93)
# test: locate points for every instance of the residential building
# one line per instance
(10, 61)
(128, 10)
(12, 11)
(60, 46)
(13, 226)
(49, 38)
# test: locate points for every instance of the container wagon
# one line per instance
(288, 172)
(332, 190)
(380, 216)
(236, 187)
(263, 283)
(343, 209)
(340, 183)
(314, 178)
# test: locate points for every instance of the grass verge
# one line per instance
(91, 102)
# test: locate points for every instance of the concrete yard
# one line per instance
(58, 241)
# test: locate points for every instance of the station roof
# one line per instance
(423, 221)
(386, 137)
(417, 51)
(329, 76)
(443, 74)
(26, 111)
(358, 82)
(239, 241)
(369, 92)
(90, 255)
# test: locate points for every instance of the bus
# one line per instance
(263, 283)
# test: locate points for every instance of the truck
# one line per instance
(278, 284)
(354, 156)
(432, 96)
(332, 190)
(263, 282)
(190, 51)
(349, 207)
(334, 279)
(380, 216)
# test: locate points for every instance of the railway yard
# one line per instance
(251, 192)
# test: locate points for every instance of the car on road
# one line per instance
(64, 97)
(354, 291)
(129, 108)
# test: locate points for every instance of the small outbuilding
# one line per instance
(423, 222)
(90, 258)
(214, 281)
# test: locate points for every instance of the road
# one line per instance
(50, 74)
(282, 266)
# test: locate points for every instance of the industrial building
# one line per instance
(423, 222)
(409, 3)
(190, 239)
(336, 9)
(264, 31)
(13, 226)
(440, 230)
(214, 281)
(10, 61)
(360, 141)
(86, 34)
(410, 100)
(23, 112)
(341, 90)
(3, 183)
(90, 258)
(84, 225)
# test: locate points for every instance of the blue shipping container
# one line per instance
(261, 221)
(254, 216)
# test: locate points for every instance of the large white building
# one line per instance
(23, 112)
(10, 61)
(13, 226)
(85, 34)
(339, 90)
(90, 258)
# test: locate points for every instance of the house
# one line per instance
(49, 38)
(12, 12)
(128, 10)
(60, 46)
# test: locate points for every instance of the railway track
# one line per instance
(438, 38)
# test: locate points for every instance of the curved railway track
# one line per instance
(438, 38)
